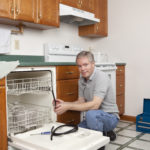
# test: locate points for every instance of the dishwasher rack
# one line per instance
(24, 117)
(29, 85)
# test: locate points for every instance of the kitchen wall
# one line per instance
(128, 41)
(32, 40)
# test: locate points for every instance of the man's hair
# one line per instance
(87, 54)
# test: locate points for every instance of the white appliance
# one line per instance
(30, 111)
(73, 15)
(110, 70)
(60, 53)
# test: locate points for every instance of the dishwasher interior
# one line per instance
(29, 100)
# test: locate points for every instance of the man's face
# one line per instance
(86, 67)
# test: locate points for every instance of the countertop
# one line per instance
(28, 60)
(120, 64)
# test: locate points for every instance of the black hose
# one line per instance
(53, 131)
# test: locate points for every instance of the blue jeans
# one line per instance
(99, 120)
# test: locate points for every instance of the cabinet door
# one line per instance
(98, 29)
(67, 90)
(6, 8)
(48, 12)
(120, 88)
(3, 123)
(72, 3)
(87, 5)
(25, 10)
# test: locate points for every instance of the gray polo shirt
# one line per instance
(99, 85)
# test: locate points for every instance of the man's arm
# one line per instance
(79, 105)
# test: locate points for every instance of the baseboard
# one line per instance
(128, 118)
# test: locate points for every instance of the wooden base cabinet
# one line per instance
(3, 122)
(67, 90)
(120, 88)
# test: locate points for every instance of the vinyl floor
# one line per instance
(128, 138)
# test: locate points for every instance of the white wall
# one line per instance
(31, 41)
(128, 41)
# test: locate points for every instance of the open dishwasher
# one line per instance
(30, 113)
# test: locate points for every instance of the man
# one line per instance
(96, 98)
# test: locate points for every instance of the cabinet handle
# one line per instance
(12, 10)
(120, 70)
(70, 121)
(97, 27)
(70, 93)
(2, 87)
(79, 3)
(39, 16)
(17, 11)
(69, 72)
(121, 85)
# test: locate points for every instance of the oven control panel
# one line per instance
(60, 53)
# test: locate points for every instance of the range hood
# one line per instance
(73, 15)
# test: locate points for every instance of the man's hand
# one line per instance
(61, 106)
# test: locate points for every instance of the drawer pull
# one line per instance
(2, 87)
(69, 93)
(69, 72)
(121, 85)
(120, 70)
(70, 121)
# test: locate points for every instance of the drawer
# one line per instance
(67, 89)
(67, 72)
(120, 70)
(69, 117)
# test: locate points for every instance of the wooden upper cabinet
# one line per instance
(87, 5)
(6, 7)
(25, 10)
(32, 13)
(72, 3)
(48, 12)
(98, 29)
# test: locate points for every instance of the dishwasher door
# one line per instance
(83, 139)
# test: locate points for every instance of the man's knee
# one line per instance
(89, 114)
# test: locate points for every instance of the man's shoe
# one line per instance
(111, 134)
